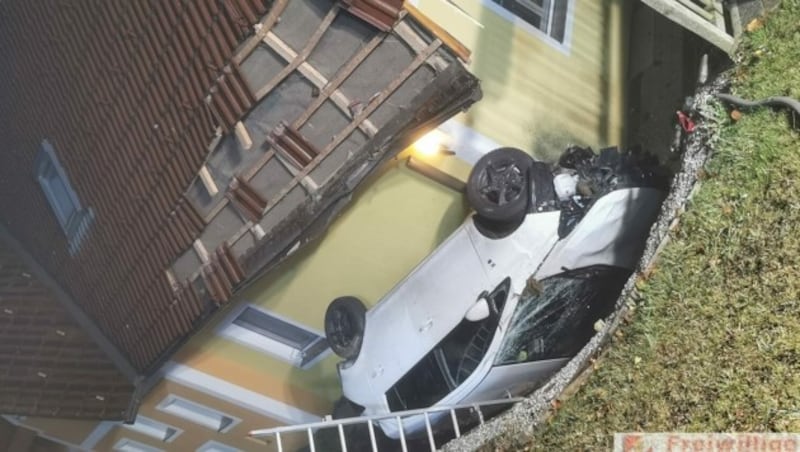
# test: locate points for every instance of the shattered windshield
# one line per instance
(558, 319)
(451, 362)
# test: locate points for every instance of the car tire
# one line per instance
(327, 438)
(357, 435)
(498, 186)
(345, 320)
(495, 230)
(345, 408)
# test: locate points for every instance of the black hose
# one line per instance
(780, 101)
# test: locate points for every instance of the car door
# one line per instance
(519, 254)
(413, 317)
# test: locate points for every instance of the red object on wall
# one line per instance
(685, 122)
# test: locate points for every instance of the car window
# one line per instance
(558, 320)
(423, 386)
(451, 362)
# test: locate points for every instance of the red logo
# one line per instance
(633, 443)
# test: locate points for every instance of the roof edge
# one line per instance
(69, 304)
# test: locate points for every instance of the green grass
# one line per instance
(714, 344)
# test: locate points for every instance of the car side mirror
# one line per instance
(479, 311)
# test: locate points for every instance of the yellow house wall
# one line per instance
(390, 227)
(538, 97)
(71, 431)
(195, 435)
(393, 223)
(396, 219)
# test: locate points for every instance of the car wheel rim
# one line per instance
(501, 182)
(341, 329)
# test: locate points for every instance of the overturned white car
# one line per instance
(510, 296)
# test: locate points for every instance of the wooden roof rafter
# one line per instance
(261, 30)
(120, 89)
(301, 57)
(328, 90)
(373, 105)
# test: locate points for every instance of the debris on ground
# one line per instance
(754, 25)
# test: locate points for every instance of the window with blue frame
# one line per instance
(74, 218)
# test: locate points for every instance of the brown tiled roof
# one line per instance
(120, 88)
(142, 100)
(335, 99)
(380, 13)
(48, 365)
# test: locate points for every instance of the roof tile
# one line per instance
(120, 90)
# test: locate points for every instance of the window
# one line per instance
(129, 445)
(213, 446)
(559, 321)
(73, 218)
(199, 414)
(155, 429)
(279, 337)
(548, 16)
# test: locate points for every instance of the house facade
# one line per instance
(222, 343)
(552, 72)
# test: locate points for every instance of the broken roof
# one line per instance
(120, 116)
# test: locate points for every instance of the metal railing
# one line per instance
(278, 432)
